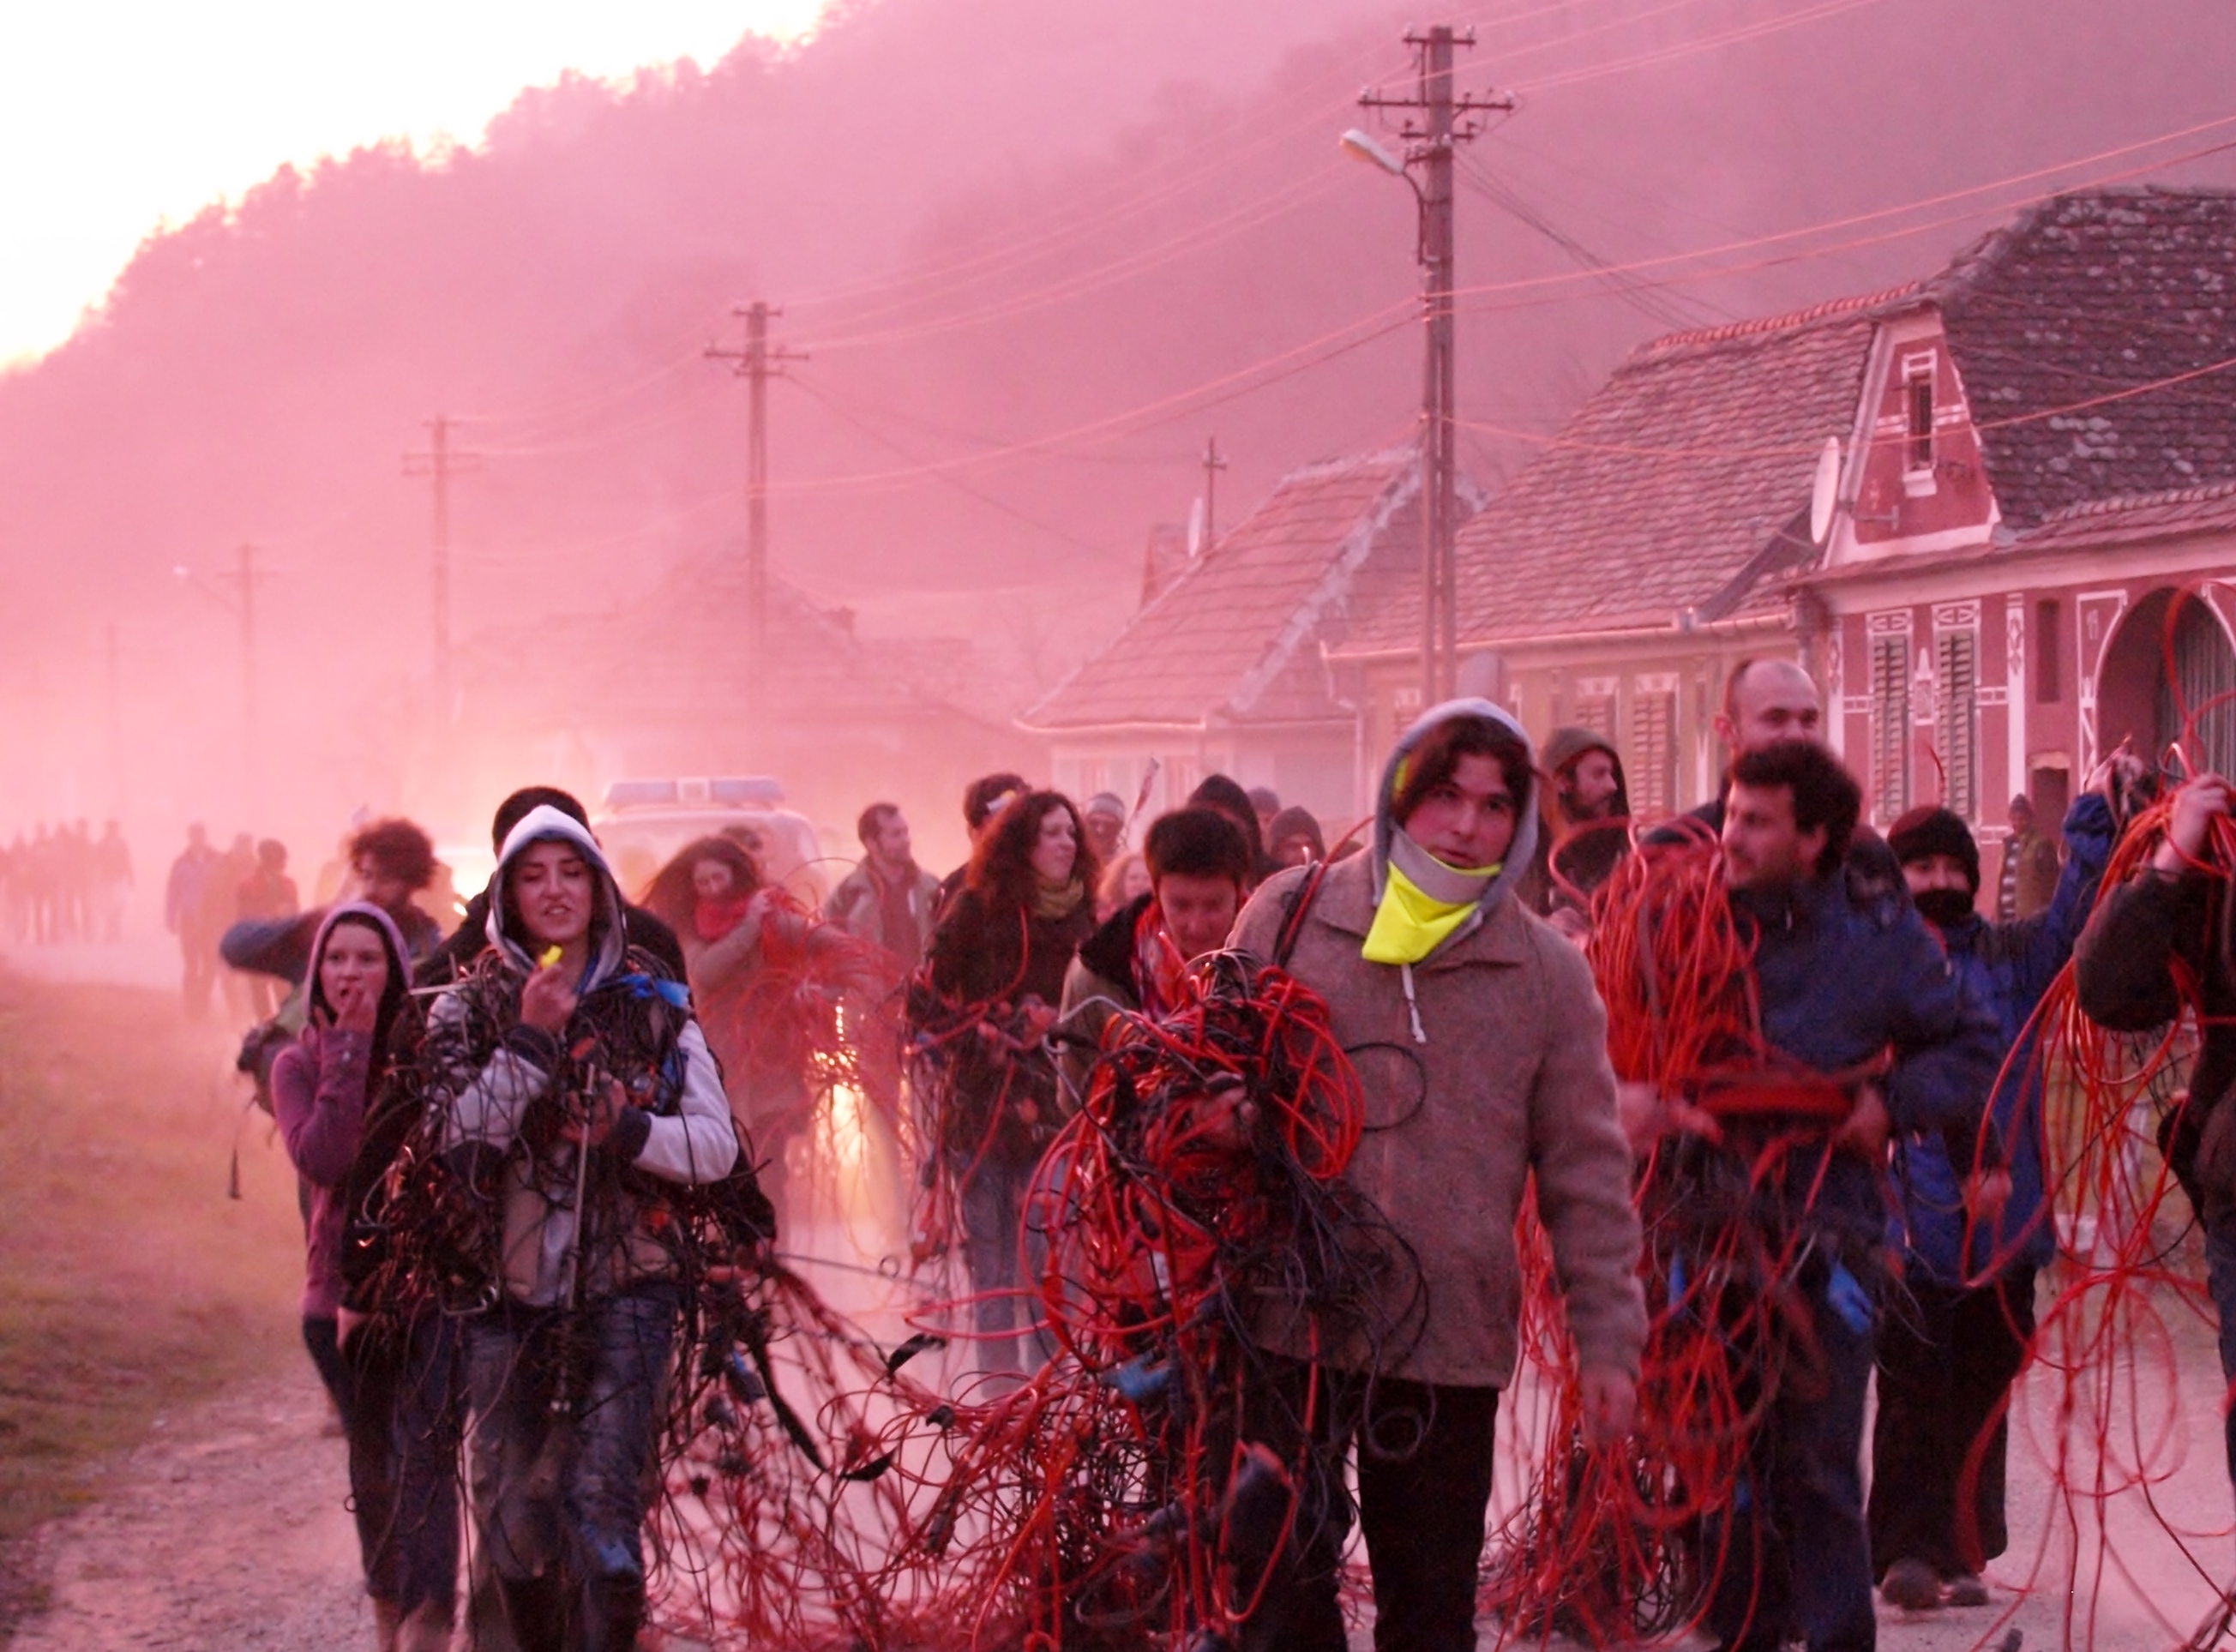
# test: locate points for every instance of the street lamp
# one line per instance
(1444, 121)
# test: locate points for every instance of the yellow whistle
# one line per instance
(551, 956)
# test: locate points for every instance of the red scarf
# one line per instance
(713, 918)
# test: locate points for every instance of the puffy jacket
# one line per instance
(503, 1084)
(1845, 978)
(2010, 966)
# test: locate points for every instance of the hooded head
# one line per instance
(365, 913)
(609, 934)
(1940, 862)
(1447, 901)
(1564, 752)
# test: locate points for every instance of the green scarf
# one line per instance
(1054, 901)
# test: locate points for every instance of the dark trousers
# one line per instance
(403, 1460)
(564, 1408)
(1791, 1557)
(2220, 1281)
(1947, 1357)
(322, 1336)
(1425, 1469)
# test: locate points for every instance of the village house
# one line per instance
(667, 685)
(1223, 669)
(1968, 505)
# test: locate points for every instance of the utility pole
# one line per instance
(115, 726)
(757, 364)
(1212, 464)
(439, 463)
(244, 578)
(1436, 121)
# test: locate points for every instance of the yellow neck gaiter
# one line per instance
(1411, 923)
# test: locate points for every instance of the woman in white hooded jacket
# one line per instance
(574, 1083)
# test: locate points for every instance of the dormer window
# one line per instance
(1917, 405)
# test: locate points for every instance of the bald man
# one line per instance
(1767, 701)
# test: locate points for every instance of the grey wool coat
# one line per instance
(1512, 1080)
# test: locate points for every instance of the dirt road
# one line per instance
(226, 1529)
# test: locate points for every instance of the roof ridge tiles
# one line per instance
(2118, 504)
(1840, 309)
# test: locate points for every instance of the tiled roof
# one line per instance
(2083, 298)
(2172, 511)
(1683, 484)
(1235, 638)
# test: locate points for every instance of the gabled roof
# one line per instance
(1235, 638)
(1682, 485)
(2081, 298)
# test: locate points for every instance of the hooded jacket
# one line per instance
(1585, 852)
(1483, 1064)
(321, 1088)
(2010, 966)
(508, 1086)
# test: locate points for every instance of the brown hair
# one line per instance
(1437, 758)
(672, 896)
(1002, 869)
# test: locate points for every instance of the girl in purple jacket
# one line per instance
(392, 1382)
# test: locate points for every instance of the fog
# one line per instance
(1036, 254)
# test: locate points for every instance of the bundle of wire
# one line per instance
(1200, 1173)
(2102, 1361)
(789, 1012)
(1606, 1542)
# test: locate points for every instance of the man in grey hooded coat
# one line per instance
(1482, 1045)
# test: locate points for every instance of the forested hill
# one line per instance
(1037, 252)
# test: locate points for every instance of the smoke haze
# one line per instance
(1036, 253)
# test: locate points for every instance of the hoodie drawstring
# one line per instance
(1412, 1006)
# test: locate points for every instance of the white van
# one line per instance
(643, 824)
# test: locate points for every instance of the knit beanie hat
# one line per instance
(1925, 832)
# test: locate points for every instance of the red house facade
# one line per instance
(1970, 506)
(2036, 503)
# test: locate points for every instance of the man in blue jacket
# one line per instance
(1858, 994)
(1956, 1337)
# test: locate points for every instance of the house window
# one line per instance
(2049, 655)
(1651, 773)
(1594, 706)
(1890, 725)
(1917, 404)
(1957, 708)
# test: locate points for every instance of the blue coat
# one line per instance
(2011, 965)
(1844, 979)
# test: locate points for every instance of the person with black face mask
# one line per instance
(1949, 1353)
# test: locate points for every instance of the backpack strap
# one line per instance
(1293, 917)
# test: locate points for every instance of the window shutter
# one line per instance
(1890, 725)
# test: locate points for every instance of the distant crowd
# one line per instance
(63, 884)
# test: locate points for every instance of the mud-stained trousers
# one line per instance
(565, 1405)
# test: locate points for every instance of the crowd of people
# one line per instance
(63, 884)
(577, 1056)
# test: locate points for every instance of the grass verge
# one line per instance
(131, 1285)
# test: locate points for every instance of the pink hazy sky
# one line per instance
(117, 117)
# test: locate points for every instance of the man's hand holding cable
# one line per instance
(2195, 806)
